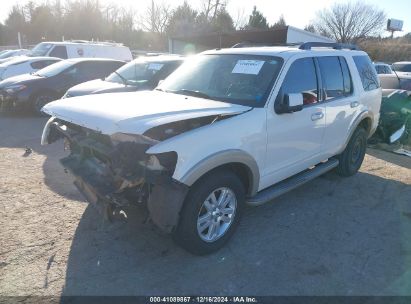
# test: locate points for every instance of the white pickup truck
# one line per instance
(230, 127)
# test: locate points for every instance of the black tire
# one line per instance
(352, 157)
(40, 100)
(186, 234)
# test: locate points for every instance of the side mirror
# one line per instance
(291, 103)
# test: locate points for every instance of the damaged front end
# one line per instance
(115, 171)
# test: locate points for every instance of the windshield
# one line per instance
(54, 69)
(40, 49)
(238, 79)
(402, 67)
(134, 73)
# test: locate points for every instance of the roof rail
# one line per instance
(253, 44)
(335, 46)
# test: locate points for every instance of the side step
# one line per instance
(291, 183)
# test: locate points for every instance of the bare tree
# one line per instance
(348, 22)
(240, 19)
(156, 17)
(210, 8)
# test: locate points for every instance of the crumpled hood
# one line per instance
(135, 112)
(98, 86)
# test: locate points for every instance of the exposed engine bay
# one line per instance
(115, 171)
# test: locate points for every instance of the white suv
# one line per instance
(229, 127)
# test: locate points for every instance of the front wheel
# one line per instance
(41, 100)
(210, 213)
(352, 157)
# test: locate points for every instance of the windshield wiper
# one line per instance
(192, 93)
(121, 77)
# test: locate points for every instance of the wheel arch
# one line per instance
(238, 161)
(364, 120)
(39, 91)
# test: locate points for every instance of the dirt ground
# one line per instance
(332, 236)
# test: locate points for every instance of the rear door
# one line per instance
(341, 101)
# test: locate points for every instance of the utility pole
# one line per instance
(19, 39)
(152, 16)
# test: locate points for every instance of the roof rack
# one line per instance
(110, 43)
(254, 44)
(335, 46)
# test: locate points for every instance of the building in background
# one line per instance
(205, 41)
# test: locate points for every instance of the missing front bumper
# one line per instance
(115, 176)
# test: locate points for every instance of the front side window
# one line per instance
(367, 73)
(302, 78)
(232, 78)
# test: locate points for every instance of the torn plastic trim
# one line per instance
(46, 132)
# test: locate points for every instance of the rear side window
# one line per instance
(109, 67)
(367, 73)
(59, 51)
(104, 68)
(332, 76)
(302, 78)
(97, 69)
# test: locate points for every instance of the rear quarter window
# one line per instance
(367, 73)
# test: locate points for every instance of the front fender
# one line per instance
(222, 158)
(240, 139)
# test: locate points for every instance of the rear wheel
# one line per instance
(211, 213)
(352, 157)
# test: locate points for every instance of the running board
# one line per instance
(291, 183)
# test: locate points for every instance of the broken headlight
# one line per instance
(166, 160)
(135, 145)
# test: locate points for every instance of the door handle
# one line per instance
(317, 116)
(354, 104)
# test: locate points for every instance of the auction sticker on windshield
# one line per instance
(248, 67)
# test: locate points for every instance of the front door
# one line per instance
(294, 140)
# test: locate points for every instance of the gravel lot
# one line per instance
(332, 236)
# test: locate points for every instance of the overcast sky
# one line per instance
(297, 13)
